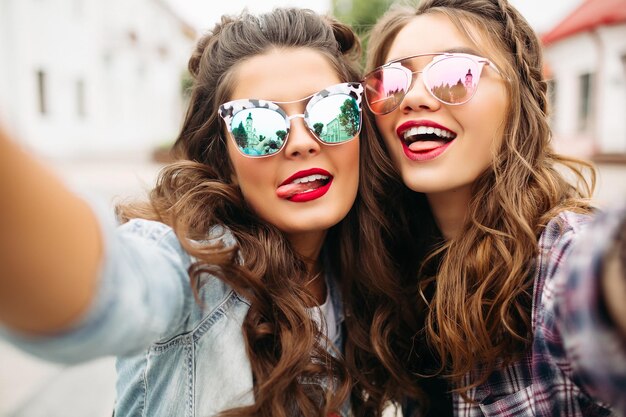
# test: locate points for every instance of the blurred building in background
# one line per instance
(586, 62)
(92, 77)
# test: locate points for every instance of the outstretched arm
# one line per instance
(590, 312)
(50, 246)
(614, 281)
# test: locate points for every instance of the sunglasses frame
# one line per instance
(411, 76)
(228, 110)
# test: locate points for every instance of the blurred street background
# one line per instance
(98, 89)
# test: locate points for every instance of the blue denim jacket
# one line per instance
(175, 357)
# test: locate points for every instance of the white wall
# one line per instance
(132, 96)
(599, 52)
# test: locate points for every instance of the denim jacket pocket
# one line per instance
(169, 377)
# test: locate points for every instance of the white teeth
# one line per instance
(310, 178)
(423, 130)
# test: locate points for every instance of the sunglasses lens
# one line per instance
(335, 119)
(258, 131)
(385, 89)
(453, 79)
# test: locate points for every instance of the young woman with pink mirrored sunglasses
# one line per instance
(476, 319)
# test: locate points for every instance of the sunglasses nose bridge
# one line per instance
(294, 116)
(419, 98)
(413, 79)
(302, 140)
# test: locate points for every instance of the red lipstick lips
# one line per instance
(424, 140)
(306, 185)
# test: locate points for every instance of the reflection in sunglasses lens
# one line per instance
(260, 128)
(335, 119)
(385, 89)
(259, 131)
(452, 80)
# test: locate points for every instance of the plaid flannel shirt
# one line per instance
(567, 327)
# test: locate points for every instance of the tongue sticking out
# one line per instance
(289, 190)
(421, 146)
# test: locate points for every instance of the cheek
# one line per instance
(243, 170)
(348, 157)
(382, 122)
(486, 118)
(347, 163)
(252, 178)
(253, 182)
(385, 125)
(234, 177)
(495, 126)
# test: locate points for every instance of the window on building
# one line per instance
(552, 89)
(163, 52)
(80, 99)
(132, 37)
(585, 101)
(624, 87)
(41, 92)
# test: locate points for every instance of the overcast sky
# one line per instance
(542, 14)
(204, 13)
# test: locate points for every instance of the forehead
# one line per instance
(283, 75)
(429, 33)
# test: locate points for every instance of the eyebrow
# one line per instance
(458, 49)
(462, 50)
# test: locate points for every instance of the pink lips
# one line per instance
(425, 150)
(303, 192)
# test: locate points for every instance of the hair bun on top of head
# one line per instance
(203, 42)
(347, 41)
(196, 56)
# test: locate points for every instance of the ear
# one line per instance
(233, 179)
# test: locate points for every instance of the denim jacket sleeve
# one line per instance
(142, 297)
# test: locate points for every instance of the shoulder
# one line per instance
(586, 246)
(555, 245)
(162, 234)
(563, 228)
(157, 255)
(150, 233)
(557, 238)
(149, 229)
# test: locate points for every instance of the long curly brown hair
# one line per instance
(469, 297)
(195, 193)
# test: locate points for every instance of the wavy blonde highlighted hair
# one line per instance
(474, 292)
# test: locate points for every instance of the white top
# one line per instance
(325, 310)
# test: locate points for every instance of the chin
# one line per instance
(413, 184)
(422, 186)
(314, 225)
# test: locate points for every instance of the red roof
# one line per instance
(588, 16)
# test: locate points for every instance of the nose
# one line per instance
(418, 97)
(301, 141)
